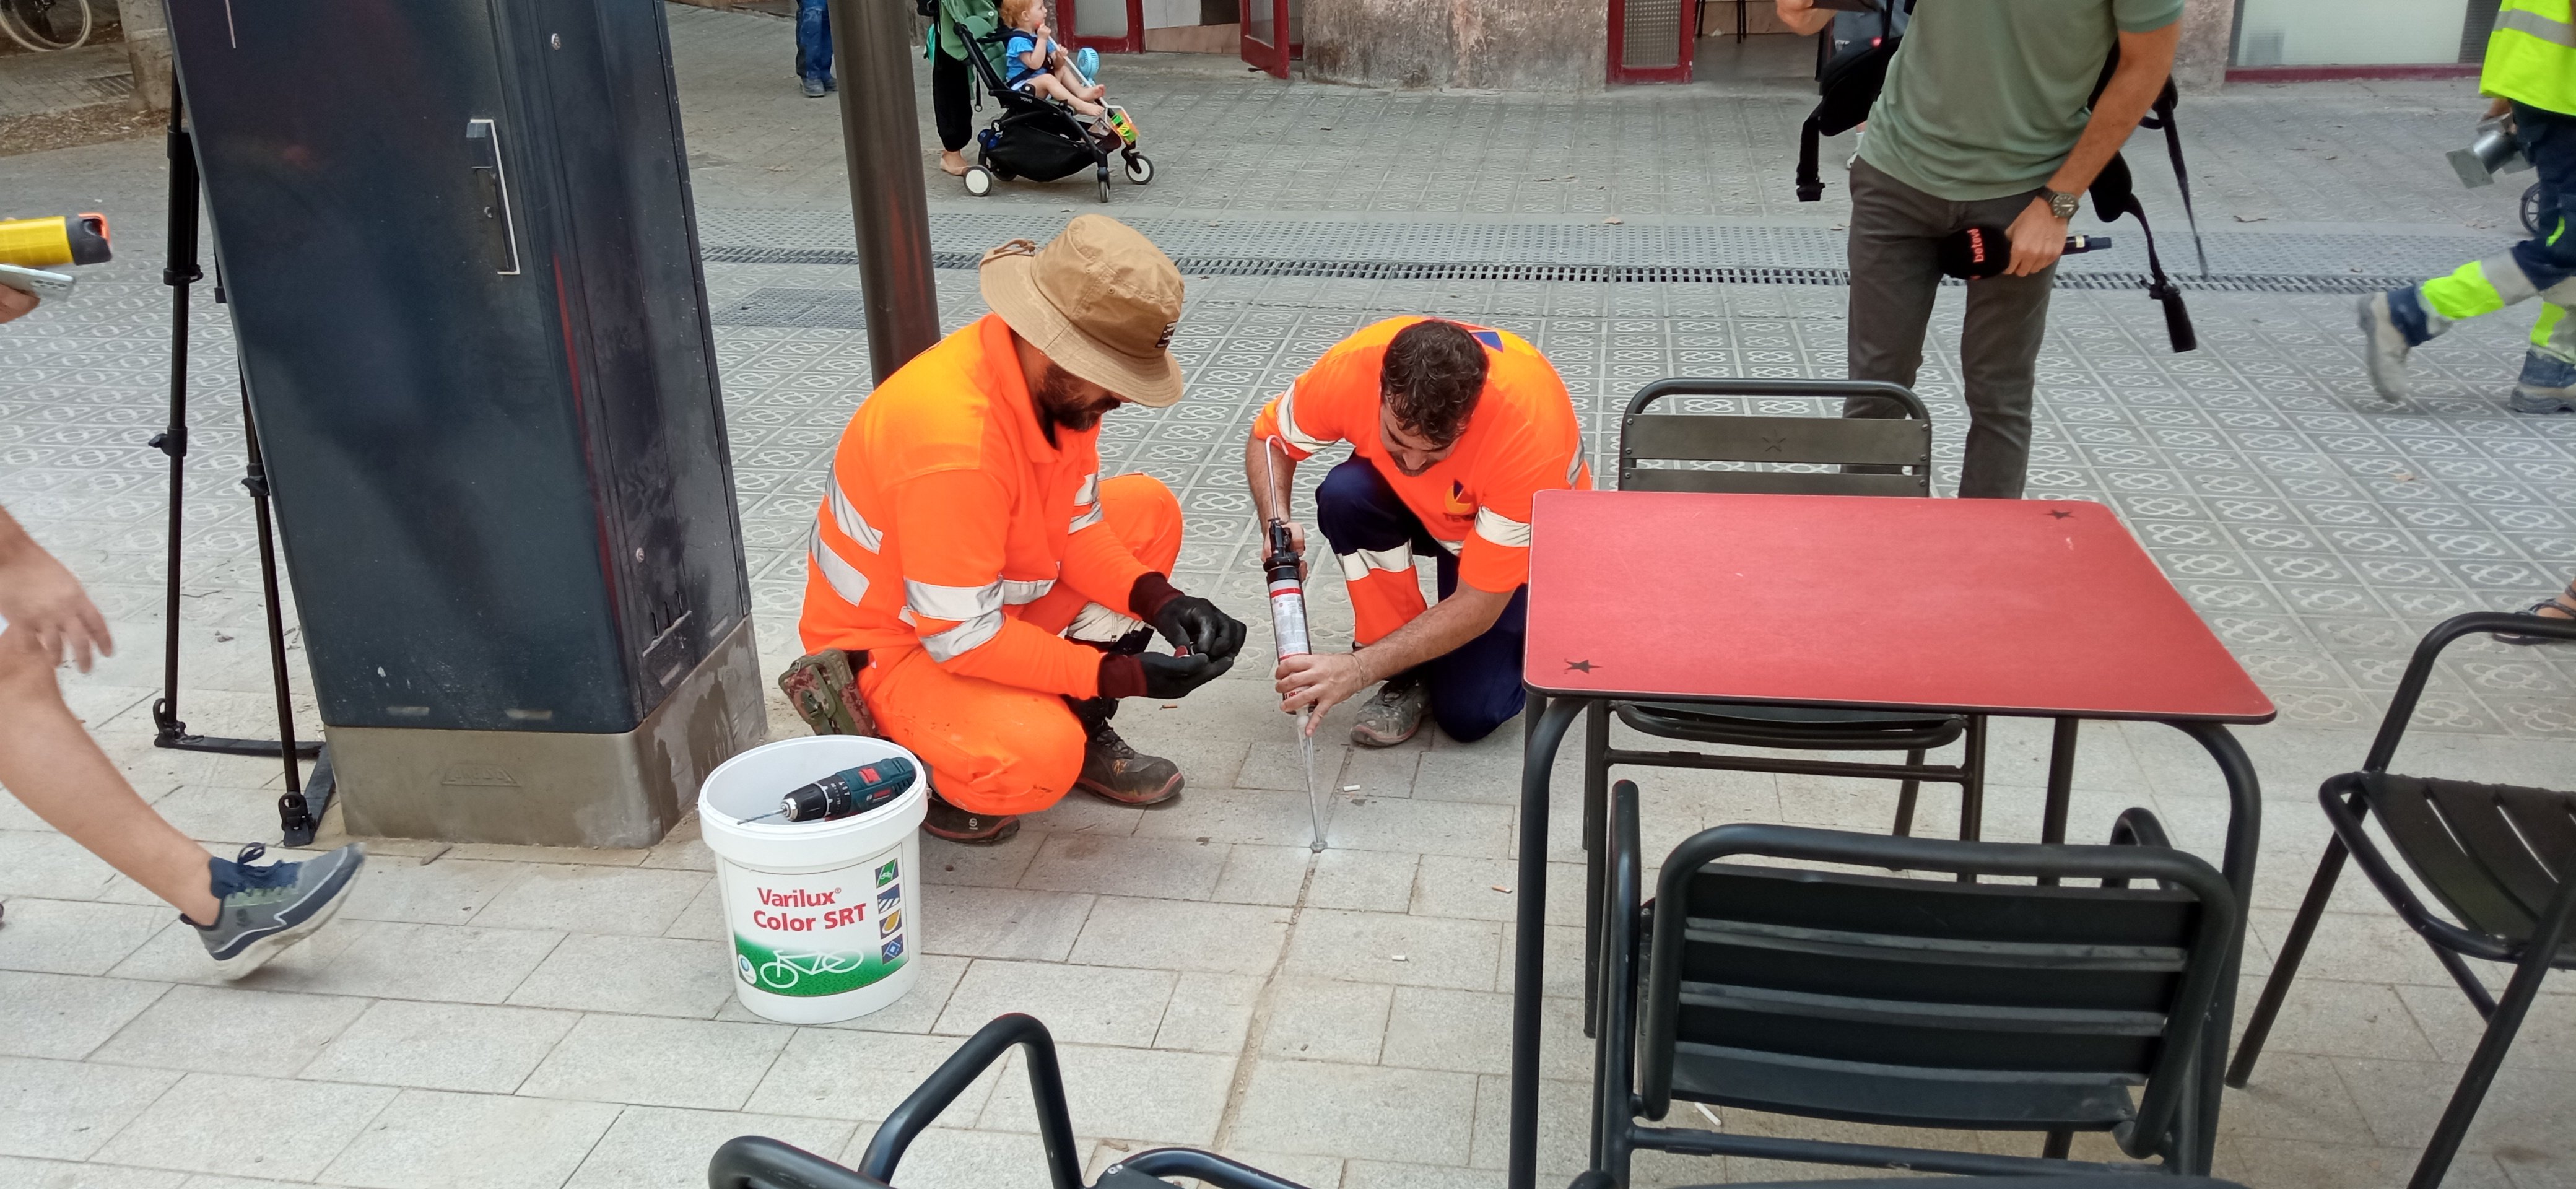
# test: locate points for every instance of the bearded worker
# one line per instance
(1003, 592)
(1453, 430)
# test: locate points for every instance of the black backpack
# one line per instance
(1849, 87)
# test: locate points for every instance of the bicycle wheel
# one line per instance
(778, 975)
(46, 24)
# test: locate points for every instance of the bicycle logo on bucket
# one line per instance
(783, 970)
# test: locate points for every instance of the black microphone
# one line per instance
(1975, 253)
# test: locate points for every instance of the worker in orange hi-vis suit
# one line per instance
(1453, 430)
(1000, 588)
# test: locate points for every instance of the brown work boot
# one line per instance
(1393, 714)
(1113, 771)
(973, 829)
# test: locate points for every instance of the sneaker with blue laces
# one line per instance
(266, 909)
(2548, 385)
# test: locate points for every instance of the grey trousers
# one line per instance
(1896, 233)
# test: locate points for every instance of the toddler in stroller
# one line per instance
(1053, 121)
(1040, 66)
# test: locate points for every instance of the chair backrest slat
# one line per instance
(1744, 482)
(1909, 972)
(1839, 440)
(1761, 442)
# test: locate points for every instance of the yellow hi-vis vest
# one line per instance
(2531, 56)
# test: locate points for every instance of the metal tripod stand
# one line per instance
(298, 811)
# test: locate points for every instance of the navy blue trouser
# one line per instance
(1475, 687)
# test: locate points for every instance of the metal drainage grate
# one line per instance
(1669, 274)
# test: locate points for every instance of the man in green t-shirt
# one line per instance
(1983, 123)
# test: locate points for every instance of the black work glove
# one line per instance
(1173, 676)
(1188, 621)
(1157, 675)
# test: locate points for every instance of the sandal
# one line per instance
(2565, 602)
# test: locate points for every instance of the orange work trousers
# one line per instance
(1001, 749)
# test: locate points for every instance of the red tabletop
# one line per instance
(2005, 606)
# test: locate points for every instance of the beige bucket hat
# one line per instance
(1100, 299)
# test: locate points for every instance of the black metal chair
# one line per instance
(1913, 1002)
(757, 1162)
(1861, 456)
(1893, 457)
(2500, 858)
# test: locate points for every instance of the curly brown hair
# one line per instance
(1433, 372)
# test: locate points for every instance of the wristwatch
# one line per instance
(2060, 203)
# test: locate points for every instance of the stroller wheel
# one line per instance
(1104, 181)
(1140, 169)
(979, 180)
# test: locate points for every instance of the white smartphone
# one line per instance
(48, 286)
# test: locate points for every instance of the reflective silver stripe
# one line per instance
(1501, 530)
(1084, 520)
(1015, 592)
(2510, 282)
(948, 645)
(846, 515)
(1452, 547)
(1357, 563)
(952, 602)
(1089, 492)
(2525, 21)
(1574, 469)
(845, 579)
(1288, 430)
(1100, 625)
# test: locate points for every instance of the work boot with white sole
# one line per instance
(2384, 343)
(1393, 714)
(2548, 385)
(266, 909)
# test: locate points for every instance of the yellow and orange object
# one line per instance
(54, 241)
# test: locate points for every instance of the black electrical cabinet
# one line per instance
(458, 244)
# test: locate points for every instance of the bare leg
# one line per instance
(1050, 87)
(57, 770)
(1073, 82)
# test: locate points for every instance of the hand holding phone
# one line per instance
(36, 282)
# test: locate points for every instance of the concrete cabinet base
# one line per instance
(548, 789)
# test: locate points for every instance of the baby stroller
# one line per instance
(1040, 139)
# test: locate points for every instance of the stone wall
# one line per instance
(1507, 45)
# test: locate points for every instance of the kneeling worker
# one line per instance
(1000, 587)
(1453, 429)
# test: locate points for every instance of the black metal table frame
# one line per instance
(1548, 716)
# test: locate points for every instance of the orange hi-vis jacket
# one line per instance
(1523, 438)
(949, 512)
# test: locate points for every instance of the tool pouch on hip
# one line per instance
(824, 689)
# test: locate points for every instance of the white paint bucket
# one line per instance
(823, 915)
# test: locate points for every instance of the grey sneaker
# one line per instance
(1393, 714)
(266, 909)
(2548, 385)
(2383, 348)
(814, 88)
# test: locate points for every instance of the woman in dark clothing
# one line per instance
(952, 36)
